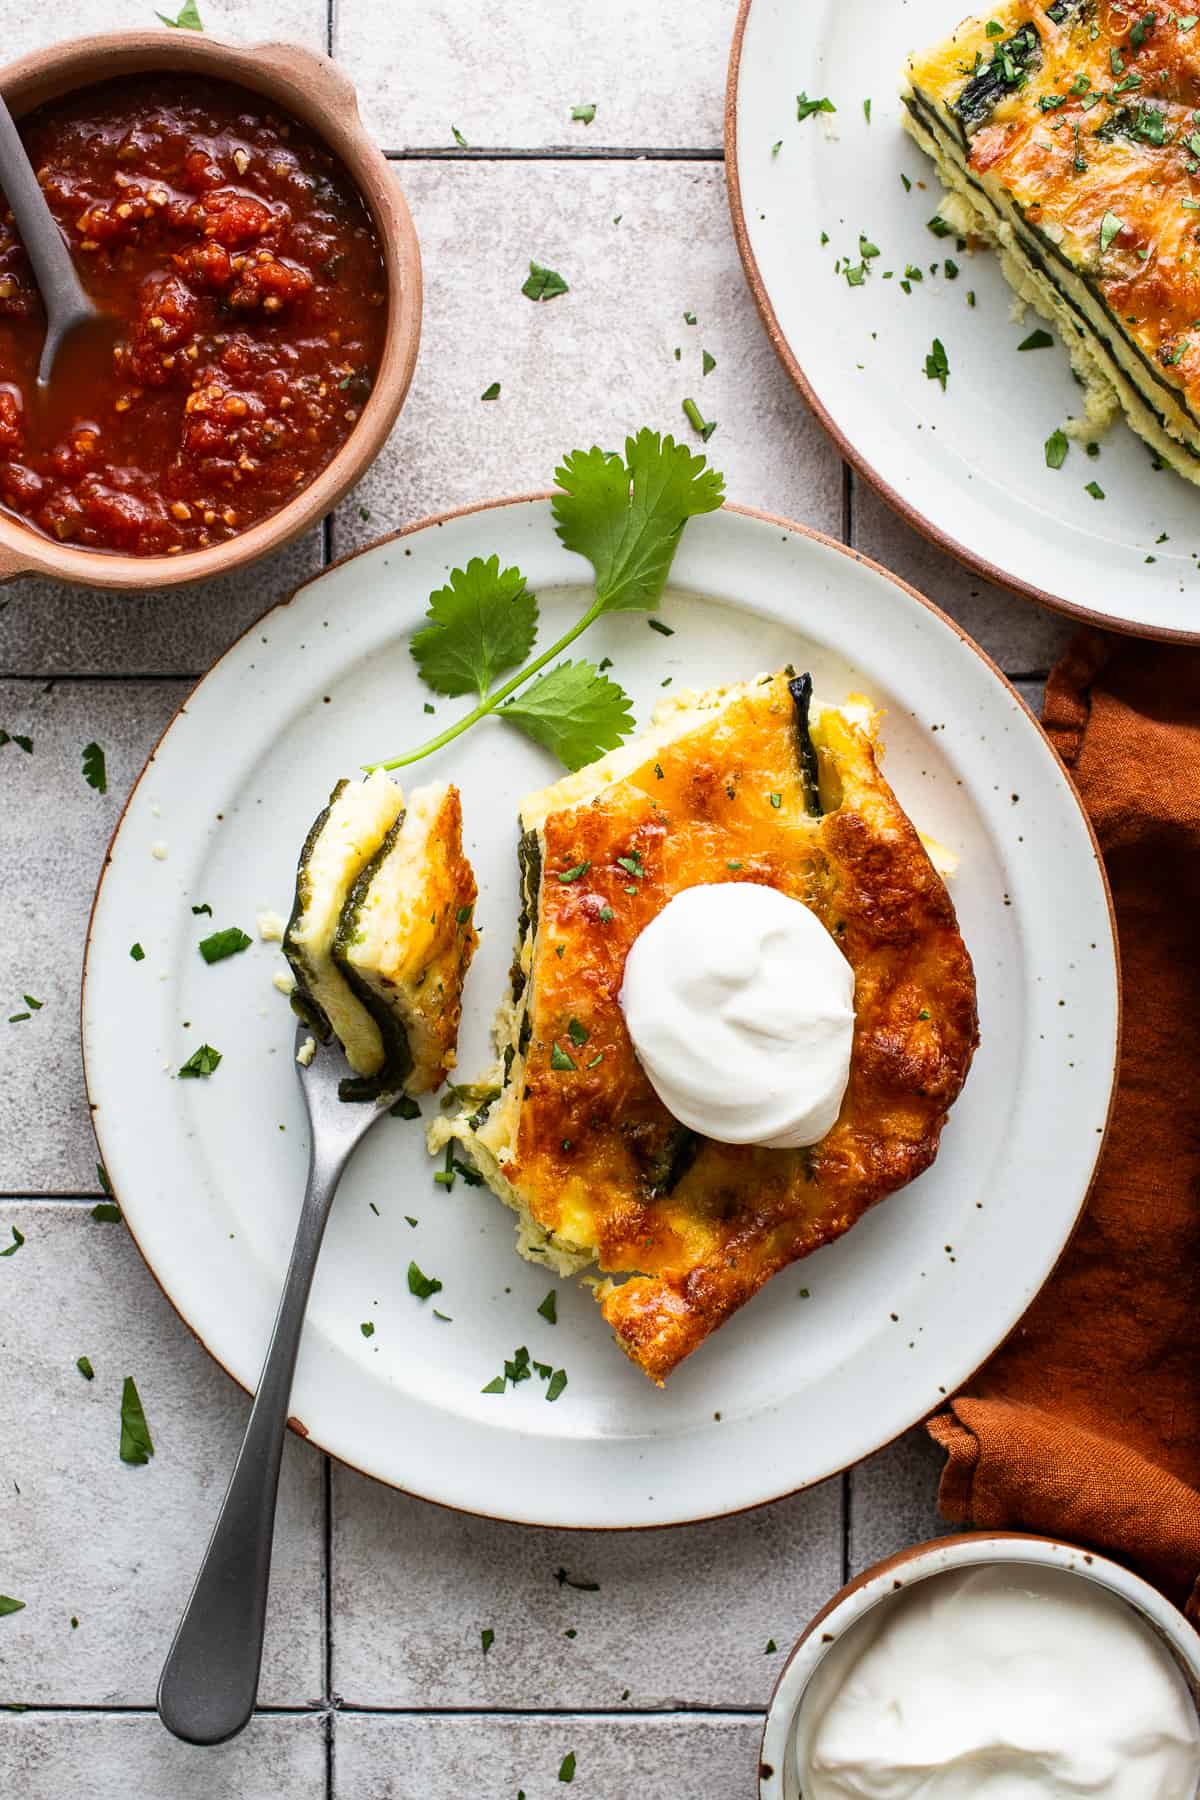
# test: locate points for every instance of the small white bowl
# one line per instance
(778, 1773)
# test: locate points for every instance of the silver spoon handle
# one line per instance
(209, 1683)
(61, 290)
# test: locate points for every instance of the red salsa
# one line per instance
(248, 301)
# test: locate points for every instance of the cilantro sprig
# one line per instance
(625, 514)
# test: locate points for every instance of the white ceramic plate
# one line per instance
(210, 1173)
(966, 467)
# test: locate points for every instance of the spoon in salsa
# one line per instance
(67, 306)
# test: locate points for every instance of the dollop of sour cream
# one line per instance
(741, 1010)
(1007, 1682)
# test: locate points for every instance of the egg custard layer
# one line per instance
(1068, 136)
(743, 783)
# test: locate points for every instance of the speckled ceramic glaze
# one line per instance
(839, 1353)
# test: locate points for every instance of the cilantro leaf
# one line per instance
(459, 139)
(937, 366)
(18, 1240)
(566, 1768)
(491, 392)
(201, 1062)
(549, 1308)
(543, 284)
(84, 1365)
(106, 1212)
(136, 1445)
(805, 108)
(1057, 445)
(224, 943)
(627, 517)
(9, 1605)
(584, 114)
(558, 1382)
(94, 770)
(189, 18)
(422, 1286)
(487, 1638)
(481, 624)
(574, 712)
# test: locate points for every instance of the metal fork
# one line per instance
(209, 1683)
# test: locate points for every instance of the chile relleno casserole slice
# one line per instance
(1068, 136)
(740, 784)
(382, 932)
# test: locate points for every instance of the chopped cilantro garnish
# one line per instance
(939, 227)
(662, 629)
(549, 1308)
(585, 113)
(9, 1605)
(19, 739)
(491, 392)
(17, 1240)
(422, 1286)
(495, 1386)
(557, 1383)
(805, 108)
(1095, 490)
(937, 366)
(84, 1365)
(201, 1062)
(543, 284)
(405, 1108)
(1057, 445)
(1037, 340)
(137, 953)
(708, 362)
(771, 1648)
(459, 139)
(689, 318)
(487, 1638)
(566, 1768)
(559, 1058)
(994, 28)
(907, 183)
(699, 424)
(1110, 225)
(367, 1328)
(950, 269)
(867, 111)
(224, 943)
(605, 914)
(188, 18)
(95, 772)
(136, 1445)
(573, 873)
(577, 1033)
(106, 1212)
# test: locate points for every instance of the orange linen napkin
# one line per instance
(1086, 1423)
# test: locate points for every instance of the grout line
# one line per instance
(317, 1710)
(552, 153)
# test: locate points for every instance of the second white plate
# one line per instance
(966, 466)
(838, 1354)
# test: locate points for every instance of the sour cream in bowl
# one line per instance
(989, 1667)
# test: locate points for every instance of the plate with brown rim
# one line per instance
(964, 465)
(834, 1357)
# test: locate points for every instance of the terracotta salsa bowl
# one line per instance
(314, 91)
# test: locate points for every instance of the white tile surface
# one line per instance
(598, 361)
(76, 1756)
(676, 1758)
(681, 1617)
(116, 1546)
(54, 830)
(509, 74)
